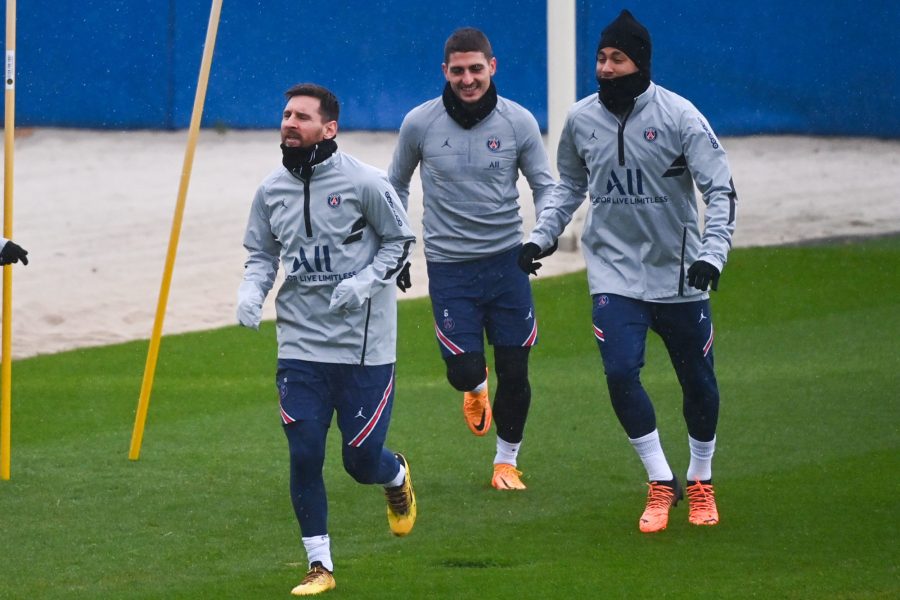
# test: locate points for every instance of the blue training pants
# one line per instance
(310, 393)
(686, 328)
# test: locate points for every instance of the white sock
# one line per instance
(318, 548)
(700, 467)
(398, 480)
(480, 387)
(506, 452)
(650, 450)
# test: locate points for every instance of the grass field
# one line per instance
(809, 370)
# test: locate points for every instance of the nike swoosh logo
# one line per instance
(480, 425)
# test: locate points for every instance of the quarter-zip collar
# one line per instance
(639, 103)
(300, 160)
(618, 94)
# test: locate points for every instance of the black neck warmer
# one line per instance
(618, 94)
(468, 115)
(300, 160)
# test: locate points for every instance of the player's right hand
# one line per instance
(249, 308)
(527, 256)
(12, 253)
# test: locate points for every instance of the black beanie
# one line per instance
(629, 36)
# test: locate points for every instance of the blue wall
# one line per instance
(766, 67)
(771, 66)
(93, 64)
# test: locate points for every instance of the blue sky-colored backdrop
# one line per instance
(769, 66)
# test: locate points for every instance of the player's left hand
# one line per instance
(12, 253)
(404, 281)
(347, 296)
(549, 250)
(701, 274)
(527, 256)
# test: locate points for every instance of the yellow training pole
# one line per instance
(9, 130)
(153, 353)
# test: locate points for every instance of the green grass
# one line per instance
(807, 355)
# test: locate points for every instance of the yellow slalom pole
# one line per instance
(9, 130)
(153, 353)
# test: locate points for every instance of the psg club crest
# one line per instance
(448, 324)
(334, 200)
(493, 143)
(650, 134)
(602, 300)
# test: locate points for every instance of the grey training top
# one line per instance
(346, 225)
(642, 231)
(471, 206)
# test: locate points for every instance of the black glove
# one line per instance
(549, 250)
(13, 253)
(701, 274)
(527, 256)
(404, 281)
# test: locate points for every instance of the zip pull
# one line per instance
(307, 218)
(622, 136)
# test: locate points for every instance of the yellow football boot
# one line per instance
(401, 503)
(318, 579)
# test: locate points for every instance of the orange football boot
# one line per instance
(660, 498)
(702, 500)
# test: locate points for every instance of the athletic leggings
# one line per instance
(620, 328)
(512, 398)
(306, 442)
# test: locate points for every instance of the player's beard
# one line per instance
(618, 94)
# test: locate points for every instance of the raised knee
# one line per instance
(361, 469)
(466, 371)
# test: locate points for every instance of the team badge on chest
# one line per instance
(493, 143)
(650, 134)
(334, 200)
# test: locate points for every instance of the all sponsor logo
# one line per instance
(334, 200)
(634, 182)
(626, 189)
(313, 265)
(493, 143)
(317, 261)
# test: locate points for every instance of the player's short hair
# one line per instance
(329, 107)
(467, 39)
